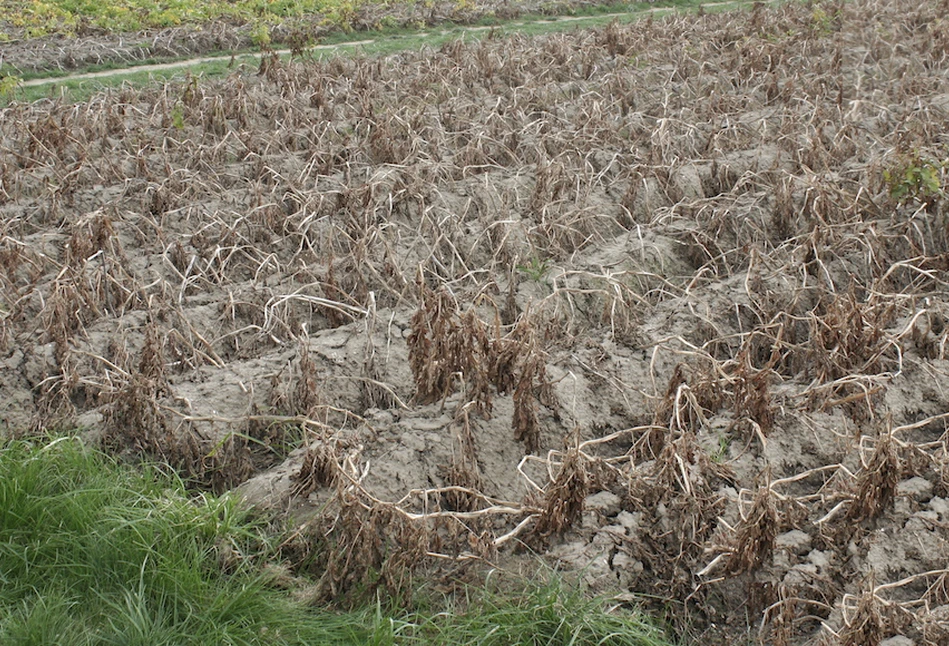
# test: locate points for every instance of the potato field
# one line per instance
(664, 305)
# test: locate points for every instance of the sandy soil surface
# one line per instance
(664, 304)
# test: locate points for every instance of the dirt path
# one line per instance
(190, 62)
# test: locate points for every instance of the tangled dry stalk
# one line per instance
(667, 301)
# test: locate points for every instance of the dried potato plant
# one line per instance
(297, 390)
(365, 549)
(755, 533)
(463, 474)
(448, 350)
(765, 207)
(752, 392)
(562, 502)
(875, 486)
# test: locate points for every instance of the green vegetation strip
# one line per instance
(70, 17)
(94, 552)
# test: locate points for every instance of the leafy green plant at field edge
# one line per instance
(917, 178)
(260, 36)
(9, 86)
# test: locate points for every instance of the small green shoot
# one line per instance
(721, 454)
(178, 116)
(535, 268)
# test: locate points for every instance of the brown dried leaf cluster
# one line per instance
(449, 349)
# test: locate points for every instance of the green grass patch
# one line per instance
(94, 552)
(553, 613)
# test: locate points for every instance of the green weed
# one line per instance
(9, 86)
(917, 179)
(535, 268)
(178, 116)
(260, 36)
(720, 456)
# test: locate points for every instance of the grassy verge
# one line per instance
(92, 552)
(550, 614)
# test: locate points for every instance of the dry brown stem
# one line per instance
(755, 534)
(562, 502)
(876, 482)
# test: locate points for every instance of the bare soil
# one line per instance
(664, 304)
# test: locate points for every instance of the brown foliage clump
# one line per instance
(297, 389)
(866, 626)
(752, 392)
(869, 618)
(448, 349)
(463, 473)
(366, 549)
(533, 388)
(849, 336)
(134, 419)
(755, 534)
(562, 502)
(876, 483)
(319, 468)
